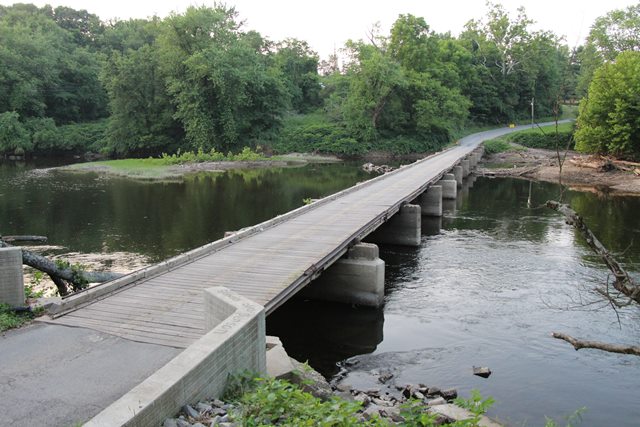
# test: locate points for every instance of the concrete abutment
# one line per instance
(431, 201)
(11, 279)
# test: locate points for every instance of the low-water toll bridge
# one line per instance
(317, 249)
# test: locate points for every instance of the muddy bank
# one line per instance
(579, 171)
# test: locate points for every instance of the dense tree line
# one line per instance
(70, 82)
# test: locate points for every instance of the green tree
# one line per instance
(299, 67)
(14, 138)
(609, 118)
(219, 77)
(617, 31)
(141, 111)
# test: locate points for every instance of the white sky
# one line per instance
(326, 24)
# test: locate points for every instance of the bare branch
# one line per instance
(612, 348)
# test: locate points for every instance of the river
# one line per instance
(486, 287)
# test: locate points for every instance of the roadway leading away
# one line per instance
(55, 375)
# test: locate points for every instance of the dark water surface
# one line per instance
(92, 213)
(487, 290)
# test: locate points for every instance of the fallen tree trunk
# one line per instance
(613, 348)
(622, 283)
(24, 238)
(63, 275)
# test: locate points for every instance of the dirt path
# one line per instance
(542, 165)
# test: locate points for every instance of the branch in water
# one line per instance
(612, 348)
(623, 282)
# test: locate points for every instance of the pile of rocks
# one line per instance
(381, 169)
(203, 414)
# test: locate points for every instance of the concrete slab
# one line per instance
(54, 375)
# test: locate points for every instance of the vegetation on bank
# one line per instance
(199, 80)
(271, 401)
(546, 137)
(10, 319)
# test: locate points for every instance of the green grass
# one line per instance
(154, 168)
(538, 137)
(9, 319)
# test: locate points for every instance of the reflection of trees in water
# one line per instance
(88, 213)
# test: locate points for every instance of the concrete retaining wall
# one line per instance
(235, 342)
(11, 280)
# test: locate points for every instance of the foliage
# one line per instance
(545, 137)
(274, 401)
(572, 421)
(211, 156)
(609, 118)
(616, 32)
(497, 145)
(415, 413)
(9, 319)
(14, 137)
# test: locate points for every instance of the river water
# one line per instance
(486, 287)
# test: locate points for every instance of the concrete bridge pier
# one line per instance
(457, 173)
(431, 201)
(356, 278)
(466, 169)
(401, 229)
(11, 279)
(473, 161)
(449, 186)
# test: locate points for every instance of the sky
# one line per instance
(327, 24)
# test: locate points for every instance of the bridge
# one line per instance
(270, 262)
(161, 312)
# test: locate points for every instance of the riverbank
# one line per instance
(579, 171)
(167, 168)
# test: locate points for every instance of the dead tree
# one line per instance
(67, 278)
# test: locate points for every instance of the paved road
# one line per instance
(54, 375)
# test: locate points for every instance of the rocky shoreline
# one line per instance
(384, 401)
(579, 171)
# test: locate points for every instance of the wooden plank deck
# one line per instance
(267, 267)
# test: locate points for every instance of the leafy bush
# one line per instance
(274, 401)
(497, 145)
(247, 154)
(548, 140)
(82, 137)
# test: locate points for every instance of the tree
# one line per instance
(225, 92)
(14, 138)
(609, 117)
(299, 67)
(616, 32)
(141, 110)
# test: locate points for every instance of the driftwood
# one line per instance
(24, 238)
(622, 282)
(613, 348)
(66, 278)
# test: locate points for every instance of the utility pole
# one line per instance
(532, 103)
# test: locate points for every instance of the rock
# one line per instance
(450, 393)
(418, 395)
(373, 392)
(203, 408)
(371, 411)
(170, 422)
(343, 387)
(224, 419)
(215, 420)
(457, 414)
(311, 381)
(218, 403)
(218, 411)
(190, 412)
(437, 401)
(483, 372)
(433, 391)
(198, 425)
(381, 402)
(383, 378)
(183, 423)
(362, 397)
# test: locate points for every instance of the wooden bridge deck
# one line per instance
(267, 267)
